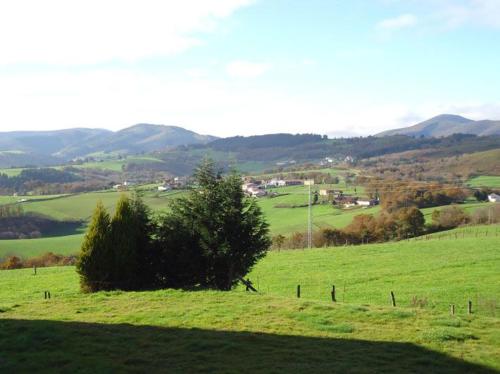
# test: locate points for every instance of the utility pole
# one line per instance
(309, 221)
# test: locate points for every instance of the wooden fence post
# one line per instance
(298, 290)
(452, 309)
(393, 299)
(333, 294)
(469, 307)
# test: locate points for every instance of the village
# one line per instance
(267, 188)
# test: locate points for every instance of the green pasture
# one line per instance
(27, 248)
(80, 207)
(11, 172)
(332, 171)
(441, 271)
(272, 330)
(281, 216)
(72, 207)
(492, 181)
(285, 219)
(469, 207)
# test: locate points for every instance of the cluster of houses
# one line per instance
(336, 197)
(258, 188)
(330, 161)
(173, 184)
(124, 186)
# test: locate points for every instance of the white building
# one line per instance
(254, 189)
(371, 202)
(494, 198)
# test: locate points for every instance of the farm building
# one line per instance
(282, 183)
(346, 201)
(370, 202)
(325, 192)
(253, 189)
(293, 182)
(494, 198)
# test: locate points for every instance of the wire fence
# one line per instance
(471, 301)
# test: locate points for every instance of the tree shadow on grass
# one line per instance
(54, 346)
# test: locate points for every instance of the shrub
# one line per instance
(486, 215)
(450, 217)
(12, 262)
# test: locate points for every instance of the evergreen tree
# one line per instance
(131, 231)
(95, 262)
(226, 231)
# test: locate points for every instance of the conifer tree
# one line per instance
(95, 262)
(131, 244)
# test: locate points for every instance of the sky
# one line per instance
(245, 67)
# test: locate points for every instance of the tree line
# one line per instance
(210, 238)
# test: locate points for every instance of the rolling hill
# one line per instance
(446, 125)
(29, 147)
(272, 330)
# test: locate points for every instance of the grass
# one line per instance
(330, 171)
(284, 219)
(27, 248)
(80, 207)
(71, 207)
(492, 181)
(272, 331)
(442, 272)
(469, 207)
(112, 164)
(11, 172)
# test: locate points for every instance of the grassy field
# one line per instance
(442, 272)
(112, 164)
(492, 181)
(271, 331)
(282, 217)
(27, 248)
(469, 207)
(80, 207)
(331, 171)
(285, 219)
(11, 172)
(72, 207)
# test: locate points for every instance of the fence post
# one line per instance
(452, 309)
(333, 294)
(393, 299)
(469, 307)
(298, 290)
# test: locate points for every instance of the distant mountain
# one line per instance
(147, 138)
(25, 147)
(448, 124)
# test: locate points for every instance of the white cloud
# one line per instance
(246, 69)
(93, 31)
(400, 22)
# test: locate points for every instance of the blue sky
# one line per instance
(241, 67)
